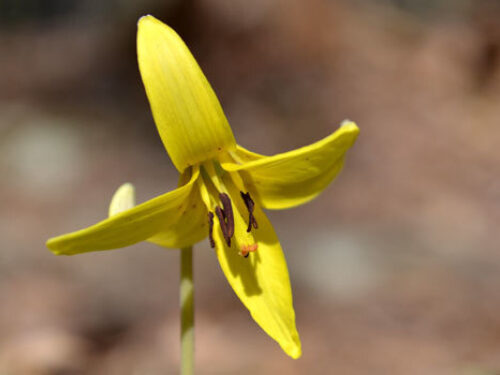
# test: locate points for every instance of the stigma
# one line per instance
(245, 250)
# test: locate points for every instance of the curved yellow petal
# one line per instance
(191, 226)
(242, 155)
(261, 280)
(128, 227)
(186, 111)
(295, 177)
(123, 199)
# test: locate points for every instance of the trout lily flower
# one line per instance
(222, 187)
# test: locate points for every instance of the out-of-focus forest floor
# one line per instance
(395, 267)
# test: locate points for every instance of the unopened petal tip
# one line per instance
(348, 125)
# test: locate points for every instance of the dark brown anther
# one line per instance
(228, 213)
(246, 255)
(226, 218)
(211, 229)
(250, 206)
(223, 225)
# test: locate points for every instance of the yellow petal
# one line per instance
(295, 177)
(261, 280)
(127, 227)
(191, 227)
(188, 115)
(123, 199)
(242, 155)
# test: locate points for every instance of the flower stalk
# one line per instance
(187, 311)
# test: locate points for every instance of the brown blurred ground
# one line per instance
(395, 268)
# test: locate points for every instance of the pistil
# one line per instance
(247, 249)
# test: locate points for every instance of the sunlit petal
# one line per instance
(261, 280)
(295, 177)
(188, 115)
(128, 227)
(191, 226)
(242, 155)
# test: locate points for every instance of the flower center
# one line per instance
(226, 221)
(217, 187)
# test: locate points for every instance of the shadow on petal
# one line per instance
(243, 271)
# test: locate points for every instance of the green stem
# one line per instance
(187, 312)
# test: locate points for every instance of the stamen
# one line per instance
(211, 229)
(228, 213)
(250, 206)
(223, 226)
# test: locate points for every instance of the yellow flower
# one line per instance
(222, 187)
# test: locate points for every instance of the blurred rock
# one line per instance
(43, 352)
(41, 155)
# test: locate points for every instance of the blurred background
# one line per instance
(395, 268)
